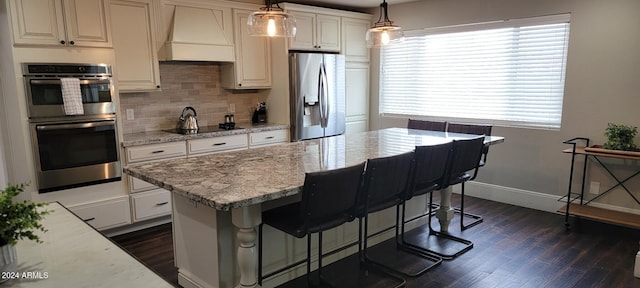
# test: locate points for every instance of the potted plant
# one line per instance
(620, 137)
(18, 220)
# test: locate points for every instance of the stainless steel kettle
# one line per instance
(188, 122)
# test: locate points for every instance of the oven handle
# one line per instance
(75, 125)
(58, 82)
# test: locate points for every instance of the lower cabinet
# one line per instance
(151, 204)
(105, 214)
(217, 144)
(267, 138)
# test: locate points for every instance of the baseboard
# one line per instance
(525, 198)
(137, 226)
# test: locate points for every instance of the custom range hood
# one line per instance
(200, 34)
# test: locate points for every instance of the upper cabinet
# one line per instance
(318, 32)
(252, 67)
(81, 23)
(134, 30)
(354, 44)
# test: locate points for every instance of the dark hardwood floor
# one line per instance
(513, 247)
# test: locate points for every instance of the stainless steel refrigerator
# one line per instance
(317, 95)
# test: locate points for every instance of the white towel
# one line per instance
(71, 96)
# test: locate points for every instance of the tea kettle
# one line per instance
(188, 122)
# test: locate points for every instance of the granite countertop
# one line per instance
(154, 137)
(73, 254)
(235, 179)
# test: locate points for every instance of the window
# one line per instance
(506, 73)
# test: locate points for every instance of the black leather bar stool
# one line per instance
(431, 168)
(427, 125)
(475, 129)
(329, 199)
(387, 184)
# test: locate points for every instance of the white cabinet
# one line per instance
(133, 25)
(267, 138)
(354, 44)
(318, 32)
(147, 200)
(357, 97)
(104, 214)
(81, 23)
(156, 152)
(152, 204)
(217, 144)
(252, 69)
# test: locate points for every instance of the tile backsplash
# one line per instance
(195, 84)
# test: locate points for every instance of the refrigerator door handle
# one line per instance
(324, 102)
(320, 98)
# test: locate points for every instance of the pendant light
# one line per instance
(271, 21)
(383, 32)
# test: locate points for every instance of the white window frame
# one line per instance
(405, 84)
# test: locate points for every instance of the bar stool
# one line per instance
(427, 125)
(387, 184)
(475, 129)
(431, 167)
(329, 199)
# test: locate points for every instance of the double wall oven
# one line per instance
(72, 150)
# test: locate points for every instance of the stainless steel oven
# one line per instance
(78, 150)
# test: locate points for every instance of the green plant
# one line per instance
(19, 220)
(620, 137)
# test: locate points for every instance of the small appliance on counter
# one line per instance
(260, 114)
(188, 123)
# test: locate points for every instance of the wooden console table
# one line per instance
(580, 209)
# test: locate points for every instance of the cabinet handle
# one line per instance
(89, 219)
(72, 43)
(157, 151)
(158, 86)
(62, 42)
(239, 84)
(270, 137)
(219, 144)
(163, 203)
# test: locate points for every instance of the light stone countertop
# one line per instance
(241, 178)
(76, 255)
(154, 137)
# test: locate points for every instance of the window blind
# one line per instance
(508, 72)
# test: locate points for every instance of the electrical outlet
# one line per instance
(232, 108)
(594, 188)
(130, 115)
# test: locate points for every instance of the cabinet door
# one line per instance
(357, 102)
(305, 32)
(354, 44)
(87, 23)
(37, 22)
(327, 32)
(252, 68)
(133, 24)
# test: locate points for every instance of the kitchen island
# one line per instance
(218, 199)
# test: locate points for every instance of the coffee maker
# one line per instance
(260, 114)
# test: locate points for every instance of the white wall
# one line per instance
(602, 85)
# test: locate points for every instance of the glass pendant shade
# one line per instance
(271, 22)
(383, 32)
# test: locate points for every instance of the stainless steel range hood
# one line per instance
(200, 34)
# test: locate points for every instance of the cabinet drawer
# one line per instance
(137, 185)
(268, 137)
(105, 214)
(156, 152)
(151, 204)
(217, 144)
